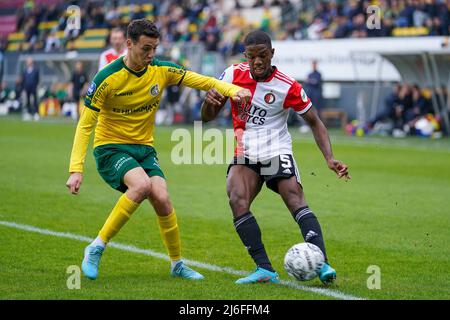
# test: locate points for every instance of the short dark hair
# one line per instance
(258, 37)
(142, 27)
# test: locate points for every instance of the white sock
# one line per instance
(174, 263)
(98, 242)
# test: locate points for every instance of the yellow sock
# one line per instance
(118, 217)
(170, 234)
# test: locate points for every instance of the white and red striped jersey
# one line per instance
(260, 126)
(109, 56)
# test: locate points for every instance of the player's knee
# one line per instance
(159, 198)
(141, 189)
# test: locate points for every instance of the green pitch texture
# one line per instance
(394, 214)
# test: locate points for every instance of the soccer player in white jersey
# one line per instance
(118, 48)
(264, 151)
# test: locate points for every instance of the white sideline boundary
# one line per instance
(129, 248)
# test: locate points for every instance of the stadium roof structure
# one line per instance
(425, 65)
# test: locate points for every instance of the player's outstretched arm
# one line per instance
(87, 122)
(320, 133)
(205, 83)
(212, 104)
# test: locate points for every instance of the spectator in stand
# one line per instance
(31, 33)
(98, 20)
(403, 106)
(316, 28)
(419, 108)
(390, 103)
(405, 16)
(342, 28)
(359, 29)
(212, 41)
(387, 25)
(419, 14)
(52, 42)
(137, 12)
(187, 21)
(352, 8)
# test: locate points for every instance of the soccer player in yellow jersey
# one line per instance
(121, 102)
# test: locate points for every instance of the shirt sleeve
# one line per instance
(297, 99)
(201, 82)
(175, 74)
(227, 75)
(97, 92)
(87, 122)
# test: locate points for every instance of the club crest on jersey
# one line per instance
(304, 96)
(154, 91)
(269, 98)
(91, 88)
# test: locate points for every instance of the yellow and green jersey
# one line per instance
(123, 103)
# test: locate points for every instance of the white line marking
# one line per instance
(322, 291)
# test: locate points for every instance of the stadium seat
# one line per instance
(147, 9)
(410, 32)
(331, 114)
(92, 39)
(16, 36)
(125, 14)
(15, 39)
(47, 25)
(89, 44)
(95, 34)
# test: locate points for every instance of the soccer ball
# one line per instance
(303, 261)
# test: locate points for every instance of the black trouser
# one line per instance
(32, 108)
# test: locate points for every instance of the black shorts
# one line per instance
(272, 170)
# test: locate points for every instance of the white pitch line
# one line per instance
(322, 291)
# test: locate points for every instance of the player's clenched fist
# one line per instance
(243, 95)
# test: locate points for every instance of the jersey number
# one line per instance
(285, 161)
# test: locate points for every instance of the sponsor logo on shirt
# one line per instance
(146, 108)
(176, 70)
(304, 96)
(154, 90)
(99, 92)
(91, 88)
(252, 114)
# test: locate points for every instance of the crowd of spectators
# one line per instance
(405, 106)
(221, 28)
(343, 19)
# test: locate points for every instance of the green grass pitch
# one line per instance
(393, 214)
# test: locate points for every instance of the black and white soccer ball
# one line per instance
(303, 261)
